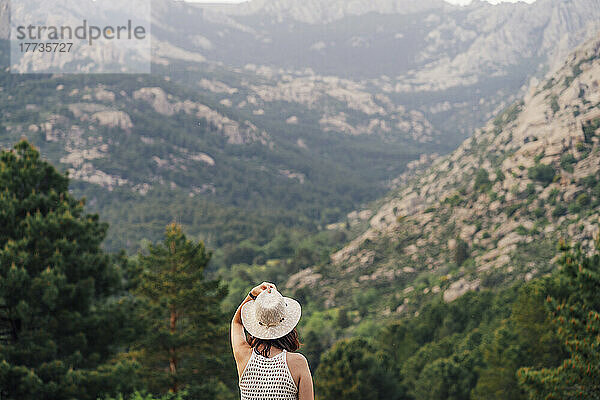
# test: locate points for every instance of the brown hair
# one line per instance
(289, 342)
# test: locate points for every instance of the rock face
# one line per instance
(364, 113)
(457, 45)
(459, 288)
(491, 212)
(113, 119)
(426, 57)
(236, 132)
(504, 35)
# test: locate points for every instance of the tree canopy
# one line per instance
(576, 315)
(57, 288)
(353, 369)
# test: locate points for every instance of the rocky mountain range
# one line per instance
(457, 66)
(424, 45)
(291, 94)
(487, 215)
(453, 66)
(419, 54)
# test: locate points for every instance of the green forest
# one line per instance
(239, 205)
(78, 322)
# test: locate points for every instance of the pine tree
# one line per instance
(577, 317)
(186, 338)
(57, 323)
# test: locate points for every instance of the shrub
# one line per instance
(553, 196)
(500, 175)
(590, 181)
(529, 192)
(581, 147)
(549, 84)
(574, 208)
(510, 210)
(539, 212)
(554, 104)
(543, 173)
(482, 180)
(461, 252)
(453, 200)
(583, 200)
(559, 210)
(567, 161)
(521, 230)
(589, 129)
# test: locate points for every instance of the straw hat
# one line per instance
(271, 315)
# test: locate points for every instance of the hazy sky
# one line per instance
(449, 1)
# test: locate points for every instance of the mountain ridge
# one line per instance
(418, 59)
(318, 11)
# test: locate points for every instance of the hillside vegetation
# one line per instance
(537, 340)
(145, 151)
(487, 216)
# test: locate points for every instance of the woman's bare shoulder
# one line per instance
(297, 360)
(298, 367)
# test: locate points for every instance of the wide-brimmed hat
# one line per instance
(271, 315)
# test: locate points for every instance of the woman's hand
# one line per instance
(263, 286)
(241, 348)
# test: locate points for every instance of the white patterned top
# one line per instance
(268, 379)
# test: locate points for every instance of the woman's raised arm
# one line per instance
(238, 337)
